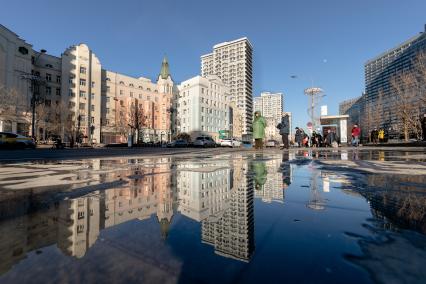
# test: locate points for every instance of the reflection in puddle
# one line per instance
(237, 209)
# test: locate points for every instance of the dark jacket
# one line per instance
(284, 126)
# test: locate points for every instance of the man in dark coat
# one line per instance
(284, 127)
(374, 136)
(298, 137)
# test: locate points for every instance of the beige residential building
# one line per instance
(232, 62)
(77, 98)
(203, 106)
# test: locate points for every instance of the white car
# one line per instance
(228, 142)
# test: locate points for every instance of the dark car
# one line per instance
(178, 143)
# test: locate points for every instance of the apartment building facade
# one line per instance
(232, 62)
(77, 98)
(379, 91)
(203, 106)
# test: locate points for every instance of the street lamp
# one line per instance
(36, 82)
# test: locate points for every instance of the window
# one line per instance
(107, 121)
(80, 229)
(202, 90)
(82, 70)
(47, 102)
(58, 91)
(121, 92)
(92, 108)
(71, 93)
(93, 84)
(49, 65)
(92, 119)
(107, 110)
(107, 99)
(92, 96)
(82, 94)
(131, 94)
(82, 82)
(58, 79)
(48, 91)
(108, 79)
(121, 83)
(48, 77)
(131, 85)
(140, 96)
(80, 215)
(82, 106)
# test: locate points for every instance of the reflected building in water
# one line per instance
(217, 194)
(273, 188)
(231, 232)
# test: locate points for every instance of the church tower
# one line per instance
(165, 82)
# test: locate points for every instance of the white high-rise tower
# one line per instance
(232, 62)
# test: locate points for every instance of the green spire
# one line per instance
(164, 73)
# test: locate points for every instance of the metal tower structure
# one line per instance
(315, 95)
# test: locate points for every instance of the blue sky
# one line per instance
(326, 40)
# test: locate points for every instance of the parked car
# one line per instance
(204, 141)
(12, 140)
(178, 143)
(272, 143)
(230, 142)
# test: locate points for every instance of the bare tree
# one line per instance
(136, 119)
(12, 105)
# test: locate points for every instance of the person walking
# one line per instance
(284, 128)
(374, 135)
(259, 125)
(381, 135)
(356, 133)
(298, 137)
(331, 139)
(423, 124)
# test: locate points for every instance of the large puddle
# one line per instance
(299, 217)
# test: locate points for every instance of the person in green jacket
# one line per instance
(259, 125)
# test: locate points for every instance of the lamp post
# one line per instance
(35, 81)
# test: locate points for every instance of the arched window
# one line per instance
(131, 85)
(121, 83)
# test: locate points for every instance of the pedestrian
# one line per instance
(381, 135)
(423, 123)
(259, 125)
(374, 135)
(315, 139)
(356, 133)
(331, 139)
(284, 128)
(298, 137)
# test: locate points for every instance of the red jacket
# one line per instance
(356, 131)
